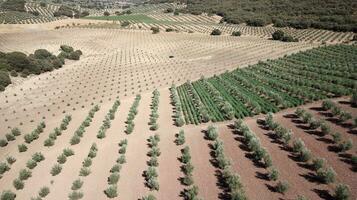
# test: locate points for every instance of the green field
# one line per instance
(270, 86)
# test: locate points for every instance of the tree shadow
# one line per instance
(290, 116)
(325, 140)
(311, 177)
(323, 194)
(319, 109)
(262, 176)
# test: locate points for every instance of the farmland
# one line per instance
(153, 105)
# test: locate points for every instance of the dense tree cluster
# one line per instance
(13, 5)
(280, 35)
(332, 15)
(39, 62)
(66, 11)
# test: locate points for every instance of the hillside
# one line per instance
(325, 14)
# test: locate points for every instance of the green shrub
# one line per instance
(187, 180)
(38, 157)
(278, 35)
(25, 174)
(61, 159)
(318, 163)
(44, 191)
(180, 139)
(8, 195)
(305, 155)
(22, 148)
(4, 167)
(75, 195)
(4, 79)
(345, 146)
(113, 178)
(327, 105)
(56, 169)
(191, 193)
(273, 174)
(111, 191)
(66, 48)
(155, 30)
(10, 137)
(282, 187)
(3, 142)
(212, 133)
(15, 132)
(336, 137)
(216, 32)
(149, 197)
(48, 142)
(77, 184)
(236, 33)
(31, 164)
(115, 168)
(75, 140)
(68, 152)
(84, 171)
(10, 160)
(326, 175)
(298, 145)
(342, 192)
(121, 159)
(153, 161)
(87, 162)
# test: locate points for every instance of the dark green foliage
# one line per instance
(56, 169)
(280, 35)
(236, 33)
(3, 142)
(22, 148)
(342, 192)
(326, 175)
(77, 184)
(4, 79)
(7, 195)
(14, 5)
(24, 174)
(337, 15)
(270, 86)
(111, 191)
(282, 187)
(216, 32)
(155, 30)
(44, 191)
(18, 184)
(66, 11)
(106, 13)
(4, 167)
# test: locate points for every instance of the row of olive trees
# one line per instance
(50, 141)
(175, 100)
(78, 134)
(132, 113)
(108, 118)
(114, 176)
(151, 173)
(261, 155)
(15, 132)
(154, 111)
(231, 181)
(76, 194)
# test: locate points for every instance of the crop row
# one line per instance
(154, 107)
(132, 113)
(106, 122)
(270, 86)
(178, 118)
